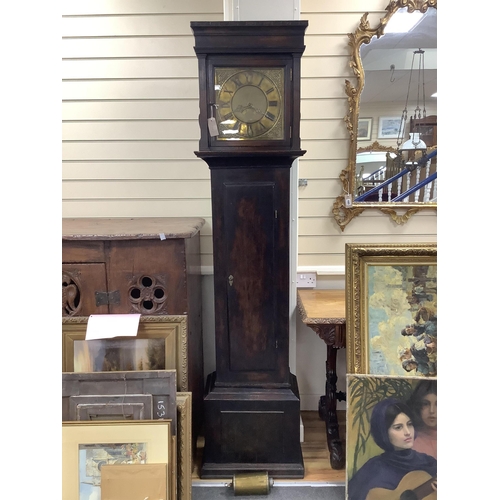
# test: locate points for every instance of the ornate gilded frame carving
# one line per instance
(359, 258)
(184, 445)
(341, 213)
(376, 146)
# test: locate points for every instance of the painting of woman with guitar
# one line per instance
(398, 472)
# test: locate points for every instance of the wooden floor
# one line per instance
(314, 451)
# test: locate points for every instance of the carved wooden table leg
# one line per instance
(334, 338)
(337, 455)
(326, 317)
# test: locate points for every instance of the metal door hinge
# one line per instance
(105, 298)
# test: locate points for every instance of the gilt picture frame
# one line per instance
(160, 344)
(371, 401)
(364, 129)
(87, 444)
(185, 449)
(391, 309)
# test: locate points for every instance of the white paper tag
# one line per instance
(348, 200)
(106, 326)
(212, 127)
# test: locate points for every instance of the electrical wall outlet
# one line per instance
(306, 280)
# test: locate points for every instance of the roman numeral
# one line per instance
(255, 129)
(273, 103)
(270, 116)
(268, 91)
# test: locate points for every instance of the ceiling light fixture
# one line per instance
(413, 148)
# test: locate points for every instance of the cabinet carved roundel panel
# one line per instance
(147, 294)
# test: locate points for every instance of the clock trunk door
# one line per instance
(251, 236)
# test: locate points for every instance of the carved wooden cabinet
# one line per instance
(148, 265)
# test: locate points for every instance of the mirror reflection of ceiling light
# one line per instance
(434, 95)
(402, 21)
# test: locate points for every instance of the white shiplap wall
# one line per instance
(130, 110)
(130, 126)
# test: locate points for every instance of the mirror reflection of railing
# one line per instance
(416, 178)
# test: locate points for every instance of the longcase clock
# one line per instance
(249, 74)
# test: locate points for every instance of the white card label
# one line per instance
(212, 127)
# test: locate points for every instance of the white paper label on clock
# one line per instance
(212, 127)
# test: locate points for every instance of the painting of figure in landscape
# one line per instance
(402, 319)
(93, 457)
(119, 355)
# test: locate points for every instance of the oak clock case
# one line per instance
(249, 75)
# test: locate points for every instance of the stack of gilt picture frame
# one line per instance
(158, 351)
(391, 420)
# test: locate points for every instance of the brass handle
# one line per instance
(230, 279)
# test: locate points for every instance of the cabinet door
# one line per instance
(149, 276)
(84, 289)
(251, 275)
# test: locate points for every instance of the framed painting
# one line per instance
(364, 129)
(391, 437)
(185, 450)
(391, 309)
(87, 446)
(160, 344)
(388, 127)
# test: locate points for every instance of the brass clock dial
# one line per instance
(249, 103)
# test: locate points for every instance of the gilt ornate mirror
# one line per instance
(392, 114)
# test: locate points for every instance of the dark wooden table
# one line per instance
(324, 312)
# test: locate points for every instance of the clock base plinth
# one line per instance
(252, 429)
